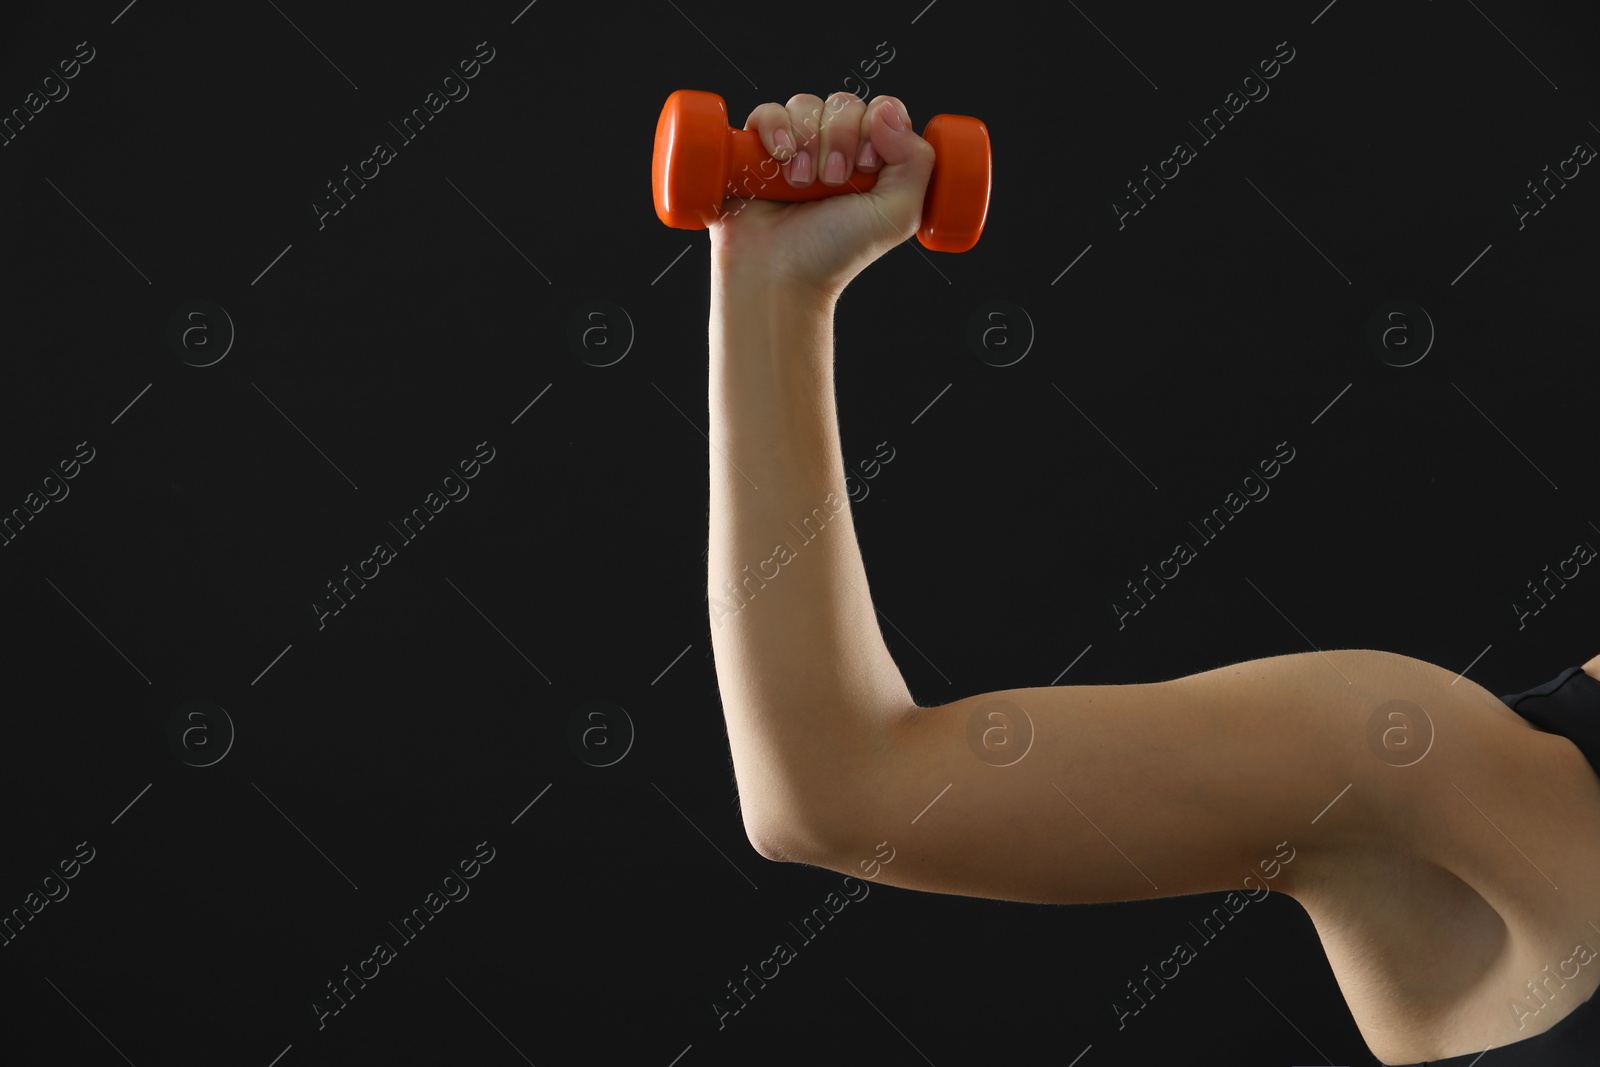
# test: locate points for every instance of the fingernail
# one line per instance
(868, 156)
(800, 168)
(833, 173)
(784, 144)
(891, 115)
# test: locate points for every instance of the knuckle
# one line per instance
(840, 100)
(805, 117)
(767, 119)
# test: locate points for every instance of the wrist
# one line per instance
(760, 283)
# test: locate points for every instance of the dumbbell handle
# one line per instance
(701, 159)
(754, 174)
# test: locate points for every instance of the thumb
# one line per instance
(907, 165)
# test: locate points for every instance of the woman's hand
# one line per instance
(823, 244)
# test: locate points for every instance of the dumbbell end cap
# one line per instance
(689, 167)
(957, 201)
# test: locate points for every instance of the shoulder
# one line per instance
(1467, 889)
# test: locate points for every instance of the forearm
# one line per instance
(805, 678)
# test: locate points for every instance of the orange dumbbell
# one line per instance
(700, 159)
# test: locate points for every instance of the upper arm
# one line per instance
(1123, 792)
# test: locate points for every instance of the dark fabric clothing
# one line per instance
(1569, 705)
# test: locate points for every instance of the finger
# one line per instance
(888, 125)
(805, 122)
(867, 159)
(870, 121)
(771, 121)
(842, 117)
(907, 163)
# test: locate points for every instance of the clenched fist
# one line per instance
(823, 244)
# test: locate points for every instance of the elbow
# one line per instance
(771, 822)
(787, 839)
(810, 807)
(800, 828)
(769, 842)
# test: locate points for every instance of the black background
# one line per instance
(428, 714)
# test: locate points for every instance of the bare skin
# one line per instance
(1434, 933)
(1439, 889)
